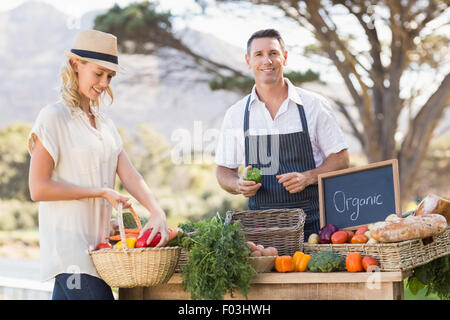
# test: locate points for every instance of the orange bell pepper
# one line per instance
(284, 264)
(301, 261)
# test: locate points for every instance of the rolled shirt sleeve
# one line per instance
(230, 147)
(329, 135)
(45, 128)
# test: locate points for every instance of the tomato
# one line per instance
(359, 238)
(339, 237)
(369, 263)
(350, 235)
(104, 245)
(362, 230)
(353, 262)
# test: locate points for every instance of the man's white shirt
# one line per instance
(324, 131)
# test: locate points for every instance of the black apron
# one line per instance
(277, 154)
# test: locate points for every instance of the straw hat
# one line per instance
(97, 47)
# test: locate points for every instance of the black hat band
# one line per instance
(96, 55)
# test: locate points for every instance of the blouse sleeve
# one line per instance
(45, 128)
(116, 135)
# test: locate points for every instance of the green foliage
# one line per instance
(139, 22)
(326, 261)
(14, 162)
(218, 259)
(434, 276)
(245, 84)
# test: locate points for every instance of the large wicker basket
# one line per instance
(398, 256)
(135, 267)
(279, 228)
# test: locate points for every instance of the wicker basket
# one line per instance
(279, 228)
(398, 256)
(262, 264)
(182, 260)
(135, 267)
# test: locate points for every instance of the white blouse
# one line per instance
(84, 156)
(325, 134)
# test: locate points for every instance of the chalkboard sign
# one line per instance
(358, 196)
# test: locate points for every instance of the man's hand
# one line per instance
(248, 188)
(294, 181)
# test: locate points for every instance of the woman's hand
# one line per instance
(157, 223)
(114, 198)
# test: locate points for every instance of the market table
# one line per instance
(293, 286)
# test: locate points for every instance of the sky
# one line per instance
(244, 18)
(217, 21)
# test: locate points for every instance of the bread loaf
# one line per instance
(434, 204)
(412, 227)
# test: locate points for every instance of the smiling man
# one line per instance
(287, 132)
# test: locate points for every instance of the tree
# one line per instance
(140, 28)
(377, 78)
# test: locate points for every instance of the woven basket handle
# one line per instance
(121, 226)
(136, 219)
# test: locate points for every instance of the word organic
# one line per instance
(352, 205)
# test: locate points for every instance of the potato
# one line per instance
(257, 253)
(251, 245)
(266, 252)
(313, 238)
(260, 247)
(273, 250)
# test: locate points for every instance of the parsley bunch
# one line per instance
(218, 259)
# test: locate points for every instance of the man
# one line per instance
(289, 133)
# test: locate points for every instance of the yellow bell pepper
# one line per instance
(301, 261)
(131, 242)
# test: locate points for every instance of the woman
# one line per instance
(76, 152)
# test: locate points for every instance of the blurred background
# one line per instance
(383, 65)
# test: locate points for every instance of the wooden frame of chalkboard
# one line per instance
(378, 187)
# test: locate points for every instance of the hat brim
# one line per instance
(105, 64)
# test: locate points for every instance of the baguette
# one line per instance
(434, 204)
(412, 227)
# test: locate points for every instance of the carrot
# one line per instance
(173, 233)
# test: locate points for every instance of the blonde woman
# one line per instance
(76, 153)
